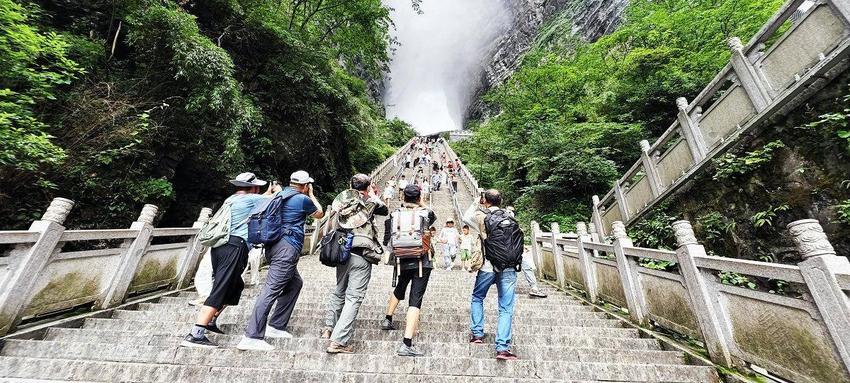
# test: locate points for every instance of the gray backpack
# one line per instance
(217, 231)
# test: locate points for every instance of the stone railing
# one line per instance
(803, 338)
(465, 177)
(38, 277)
(759, 83)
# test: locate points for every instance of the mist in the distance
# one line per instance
(439, 63)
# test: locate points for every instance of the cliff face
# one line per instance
(590, 19)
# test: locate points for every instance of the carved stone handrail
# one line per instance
(757, 85)
(739, 326)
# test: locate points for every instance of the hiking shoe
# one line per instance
(506, 355)
(476, 339)
(536, 293)
(336, 348)
(326, 333)
(198, 302)
(214, 328)
(251, 344)
(405, 350)
(272, 332)
(387, 324)
(202, 342)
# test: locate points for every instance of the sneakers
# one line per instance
(326, 333)
(272, 332)
(387, 324)
(405, 350)
(213, 328)
(476, 339)
(251, 344)
(506, 355)
(198, 302)
(202, 342)
(536, 293)
(336, 348)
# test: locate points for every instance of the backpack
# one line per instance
(410, 237)
(336, 247)
(216, 232)
(265, 222)
(503, 246)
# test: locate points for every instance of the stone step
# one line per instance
(194, 366)
(240, 315)
(552, 350)
(378, 312)
(519, 337)
(164, 352)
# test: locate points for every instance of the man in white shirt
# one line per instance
(449, 237)
(402, 183)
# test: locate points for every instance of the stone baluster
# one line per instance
(690, 131)
(756, 88)
(702, 294)
(819, 267)
(650, 169)
(620, 197)
(842, 7)
(134, 249)
(28, 261)
(558, 255)
(536, 254)
(585, 260)
(596, 217)
(629, 276)
(194, 250)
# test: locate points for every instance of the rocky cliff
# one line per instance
(590, 20)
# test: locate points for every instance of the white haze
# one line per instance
(441, 58)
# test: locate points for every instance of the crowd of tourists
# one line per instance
(489, 244)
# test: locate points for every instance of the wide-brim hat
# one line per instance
(350, 211)
(247, 179)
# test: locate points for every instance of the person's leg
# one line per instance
(528, 271)
(476, 310)
(282, 311)
(447, 256)
(395, 297)
(417, 292)
(282, 264)
(337, 297)
(203, 279)
(506, 286)
(358, 282)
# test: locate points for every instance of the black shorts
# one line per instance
(228, 263)
(417, 287)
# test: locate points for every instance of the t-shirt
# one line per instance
(466, 242)
(449, 235)
(241, 207)
(388, 191)
(295, 212)
(402, 184)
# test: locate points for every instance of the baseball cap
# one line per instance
(300, 177)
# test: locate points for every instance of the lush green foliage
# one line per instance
(571, 117)
(732, 165)
(116, 104)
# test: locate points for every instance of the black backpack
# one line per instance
(504, 243)
(336, 247)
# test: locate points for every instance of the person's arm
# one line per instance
(320, 212)
(388, 227)
(380, 207)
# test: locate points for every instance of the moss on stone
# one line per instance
(68, 287)
(154, 271)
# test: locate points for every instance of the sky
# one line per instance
(438, 65)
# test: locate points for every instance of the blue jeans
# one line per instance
(505, 282)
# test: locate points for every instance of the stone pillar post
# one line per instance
(189, 262)
(134, 249)
(650, 169)
(585, 260)
(819, 268)
(557, 254)
(27, 262)
(536, 254)
(752, 83)
(628, 269)
(690, 131)
(596, 217)
(702, 293)
(842, 7)
(621, 201)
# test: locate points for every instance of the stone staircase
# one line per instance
(557, 339)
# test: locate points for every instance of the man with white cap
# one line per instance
(283, 283)
(228, 260)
